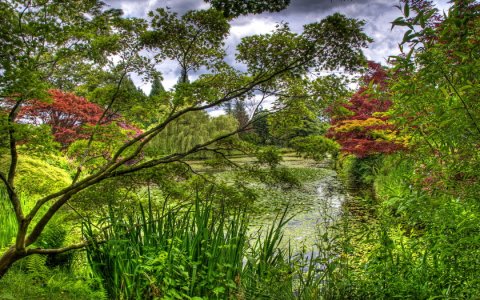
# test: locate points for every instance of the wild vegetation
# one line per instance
(109, 193)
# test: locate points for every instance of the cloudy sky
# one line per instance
(377, 13)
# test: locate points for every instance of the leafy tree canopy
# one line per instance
(232, 9)
(68, 115)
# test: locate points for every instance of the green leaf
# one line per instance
(407, 36)
(399, 22)
(406, 10)
(219, 290)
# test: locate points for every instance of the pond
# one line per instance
(312, 208)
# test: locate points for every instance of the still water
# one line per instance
(312, 208)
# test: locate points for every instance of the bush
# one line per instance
(269, 156)
(315, 146)
(417, 245)
(44, 283)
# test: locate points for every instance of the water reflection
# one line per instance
(314, 209)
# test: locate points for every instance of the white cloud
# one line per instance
(216, 112)
(254, 26)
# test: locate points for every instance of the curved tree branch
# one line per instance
(61, 250)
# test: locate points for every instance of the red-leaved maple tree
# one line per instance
(361, 126)
(69, 116)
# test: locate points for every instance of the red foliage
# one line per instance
(360, 130)
(68, 116)
(375, 74)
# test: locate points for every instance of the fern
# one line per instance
(36, 267)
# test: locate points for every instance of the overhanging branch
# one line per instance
(60, 250)
(111, 169)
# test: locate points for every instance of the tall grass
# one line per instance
(173, 253)
(8, 222)
(201, 250)
(267, 270)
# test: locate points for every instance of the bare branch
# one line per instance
(195, 172)
(37, 230)
(104, 114)
(175, 156)
(217, 151)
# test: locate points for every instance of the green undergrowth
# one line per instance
(414, 244)
(31, 278)
(36, 176)
(8, 222)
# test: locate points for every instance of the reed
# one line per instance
(8, 222)
(174, 252)
(203, 250)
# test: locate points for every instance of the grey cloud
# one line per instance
(140, 8)
(182, 6)
(312, 8)
(376, 13)
(137, 8)
(318, 6)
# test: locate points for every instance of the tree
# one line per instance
(315, 146)
(68, 116)
(193, 40)
(190, 130)
(260, 127)
(157, 87)
(304, 115)
(75, 28)
(240, 113)
(361, 126)
(436, 95)
(37, 38)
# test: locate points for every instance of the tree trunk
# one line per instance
(8, 258)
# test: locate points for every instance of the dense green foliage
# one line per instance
(442, 116)
(107, 193)
(173, 253)
(407, 243)
(315, 146)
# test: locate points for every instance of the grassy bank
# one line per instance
(407, 241)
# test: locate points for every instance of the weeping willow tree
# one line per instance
(192, 129)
